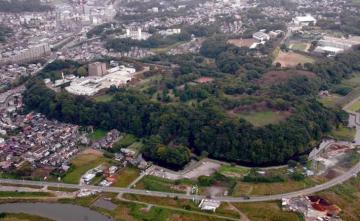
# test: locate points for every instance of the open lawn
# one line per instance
(83, 162)
(125, 176)
(292, 59)
(343, 133)
(21, 217)
(269, 211)
(97, 134)
(260, 119)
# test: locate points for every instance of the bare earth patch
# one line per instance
(292, 59)
(242, 42)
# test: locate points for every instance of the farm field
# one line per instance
(292, 59)
(83, 162)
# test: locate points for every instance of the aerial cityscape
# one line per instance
(179, 110)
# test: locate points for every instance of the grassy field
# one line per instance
(21, 217)
(133, 212)
(269, 211)
(233, 171)
(103, 98)
(343, 133)
(260, 119)
(330, 101)
(83, 162)
(97, 134)
(258, 189)
(354, 107)
(157, 184)
(126, 141)
(24, 194)
(180, 203)
(299, 46)
(125, 176)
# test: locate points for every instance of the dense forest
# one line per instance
(23, 6)
(204, 129)
(173, 130)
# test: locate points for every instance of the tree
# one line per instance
(81, 71)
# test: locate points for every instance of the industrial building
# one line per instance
(333, 46)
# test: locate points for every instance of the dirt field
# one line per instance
(277, 77)
(242, 42)
(292, 59)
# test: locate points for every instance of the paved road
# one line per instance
(338, 180)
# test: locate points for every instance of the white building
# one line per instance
(261, 36)
(172, 31)
(304, 20)
(209, 204)
(91, 85)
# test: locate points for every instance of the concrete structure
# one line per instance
(304, 20)
(97, 69)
